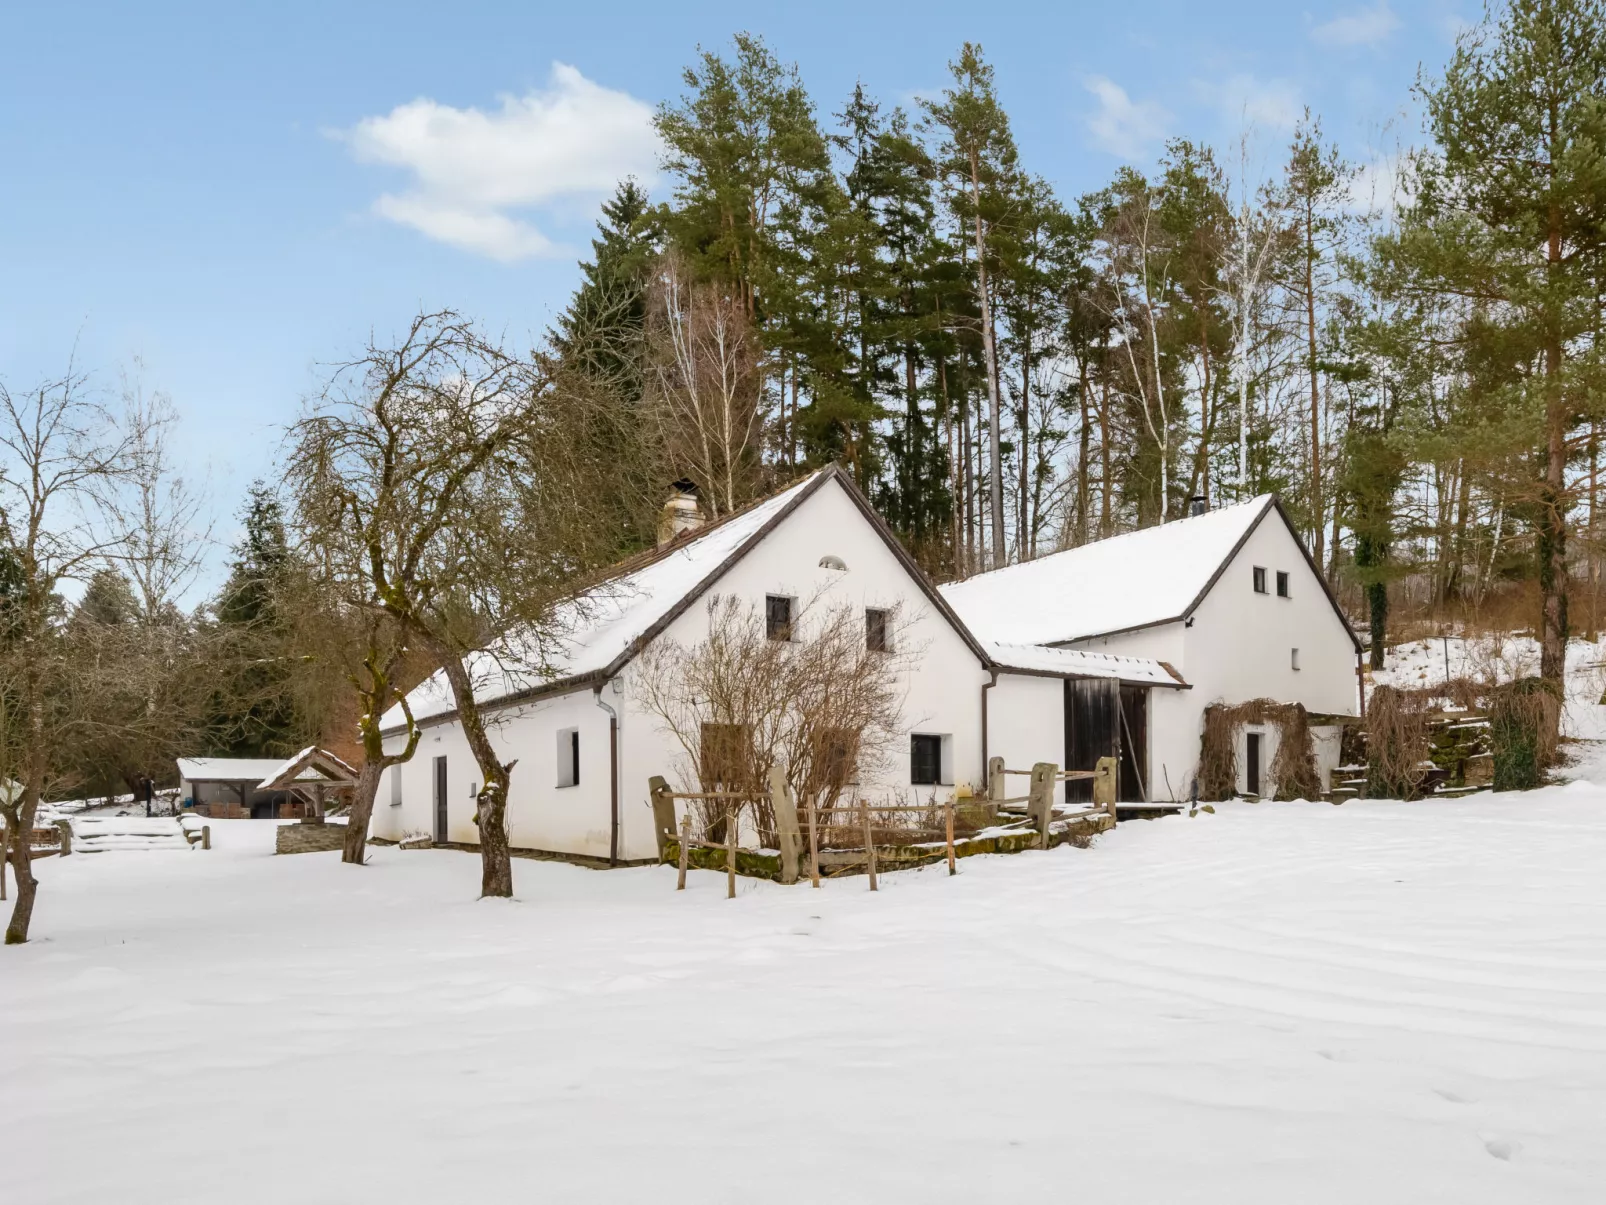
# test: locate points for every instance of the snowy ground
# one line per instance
(1502, 658)
(1277, 1003)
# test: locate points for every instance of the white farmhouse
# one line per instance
(586, 746)
(1228, 600)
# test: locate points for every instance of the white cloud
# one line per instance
(1265, 104)
(1364, 27)
(1379, 184)
(1121, 125)
(473, 171)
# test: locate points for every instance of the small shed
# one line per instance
(314, 776)
(262, 788)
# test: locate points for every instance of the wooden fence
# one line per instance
(804, 829)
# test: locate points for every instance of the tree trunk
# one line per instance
(32, 785)
(1315, 390)
(1085, 449)
(355, 849)
(994, 402)
(1552, 546)
(496, 866)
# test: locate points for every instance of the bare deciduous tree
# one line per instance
(440, 478)
(62, 451)
(703, 385)
(826, 705)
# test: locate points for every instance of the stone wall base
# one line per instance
(309, 838)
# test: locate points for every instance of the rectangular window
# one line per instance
(569, 757)
(1282, 584)
(1293, 658)
(877, 638)
(1260, 580)
(724, 755)
(778, 617)
(395, 786)
(925, 760)
(836, 758)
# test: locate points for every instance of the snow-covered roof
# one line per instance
(1074, 663)
(603, 624)
(227, 769)
(312, 764)
(1129, 581)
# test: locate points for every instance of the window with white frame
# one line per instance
(1293, 659)
(395, 786)
(1260, 579)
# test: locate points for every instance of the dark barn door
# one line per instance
(440, 800)
(1252, 760)
(1092, 729)
(1134, 783)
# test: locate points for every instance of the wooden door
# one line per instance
(1092, 729)
(1134, 785)
(440, 800)
(1252, 763)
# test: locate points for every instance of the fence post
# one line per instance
(1104, 784)
(206, 836)
(685, 850)
(663, 813)
(64, 827)
(784, 806)
(814, 844)
(996, 788)
(948, 820)
(730, 852)
(1040, 800)
(869, 842)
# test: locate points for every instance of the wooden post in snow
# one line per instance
(784, 806)
(996, 792)
(814, 845)
(948, 821)
(730, 853)
(1040, 798)
(663, 813)
(685, 849)
(1104, 784)
(64, 827)
(869, 842)
(206, 836)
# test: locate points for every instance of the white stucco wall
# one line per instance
(1025, 724)
(1237, 648)
(943, 697)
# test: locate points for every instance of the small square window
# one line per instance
(1260, 580)
(925, 760)
(395, 786)
(1293, 659)
(877, 631)
(1282, 583)
(569, 757)
(777, 617)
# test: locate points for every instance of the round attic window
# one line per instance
(833, 562)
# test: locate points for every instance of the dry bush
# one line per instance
(1293, 770)
(1396, 743)
(822, 705)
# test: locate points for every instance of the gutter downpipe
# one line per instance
(985, 687)
(613, 776)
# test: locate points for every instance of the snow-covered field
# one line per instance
(1277, 1003)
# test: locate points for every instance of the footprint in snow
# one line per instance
(1455, 1098)
(1504, 1149)
(1337, 1056)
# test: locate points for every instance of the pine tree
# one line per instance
(602, 330)
(1509, 219)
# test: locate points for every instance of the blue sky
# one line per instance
(239, 194)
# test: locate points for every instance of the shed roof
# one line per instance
(1137, 580)
(1075, 663)
(227, 769)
